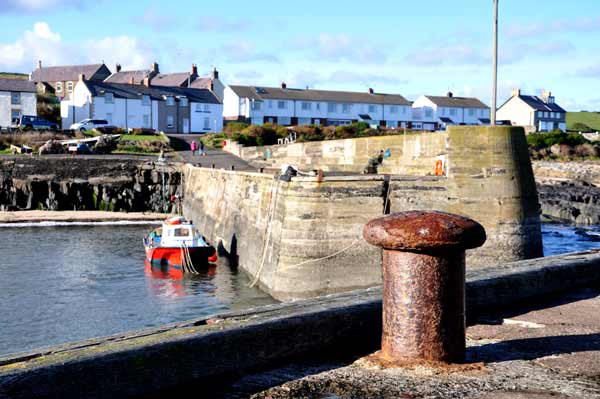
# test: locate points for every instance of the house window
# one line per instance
(545, 114)
(428, 112)
(394, 109)
(452, 111)
(391, 124)
(183, 102)
(146, 120)
(318, 106)
(256, 105)
(15, 115)
(346, 108)
(109, 98)
(372, 108)
(540, 114)
(303, 121)
(15, 98)
(109, 118)
(270, 104)
(206, 108)
(281, 105)
(471, 112)
(145, 99)
(206, 123)
(170, 121)
(284, 120)
(306, 106)
(59, 87)
(198, 107)
(170, 101)
(70, 87)
(331, 107)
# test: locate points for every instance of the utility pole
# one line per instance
(495, 67)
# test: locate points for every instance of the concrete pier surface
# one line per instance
(209, 355)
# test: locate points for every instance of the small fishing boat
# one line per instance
(177, 246)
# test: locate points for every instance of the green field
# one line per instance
(591, 119)
(11, 75)
(142, 137)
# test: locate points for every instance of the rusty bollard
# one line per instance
(424, 283)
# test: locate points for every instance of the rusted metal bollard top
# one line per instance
(423, 283)
(420, 231)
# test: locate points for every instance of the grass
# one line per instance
(591, 119)
(11, 75)
(142, 137)
(5, 151)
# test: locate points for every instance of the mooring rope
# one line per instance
(333, 255)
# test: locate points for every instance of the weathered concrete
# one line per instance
(302, 238)
(87, 183)
(196, 353)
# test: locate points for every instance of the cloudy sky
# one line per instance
(411, 48)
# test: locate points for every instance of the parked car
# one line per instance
(90, 124)
(36, 122)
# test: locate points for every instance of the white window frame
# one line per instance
(281, 104)
(12, 114)
(206, 108)
(69, 87)
(59, 87)
(170, 101)
(471, 112)
(256, 105)
(183, 102)
(428, 113)
(394, 109)
(206, 123)
(372, 108)
(284, 120)
(109, 98)
(331, 108)
(170, 121)
(306, 106)
(346, 108)
(452, 111)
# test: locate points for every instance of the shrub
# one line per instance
(544, 140)
(234, 127)
(586, 150)
(140, 132)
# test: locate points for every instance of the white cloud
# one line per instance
(543, 28)
(590, 71)
(242, 52)
(33, 6)
(214, 23)
(340, 47)
(41, 43)
(156, 20)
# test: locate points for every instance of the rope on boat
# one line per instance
(186, 260)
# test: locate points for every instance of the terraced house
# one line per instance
(61, 80)
(287, 106)
(438, 112)
(17, 98)
(130, 106)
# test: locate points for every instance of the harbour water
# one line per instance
(72, 282)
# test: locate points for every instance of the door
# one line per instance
(186, 125)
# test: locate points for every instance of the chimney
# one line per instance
(371, 91)
(546, 95)
(283, 85)
(147, 81)
(131, 80)
(215, 74)
(40, 64)
(194, 72)
(155, 67)
(450, 94)
(81, 77)
(118, 67)
(516, 92)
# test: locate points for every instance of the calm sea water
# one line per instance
(61, 284)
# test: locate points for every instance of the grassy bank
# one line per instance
(579, 120)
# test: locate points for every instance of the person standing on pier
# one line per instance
(202, 152)
(193, 147)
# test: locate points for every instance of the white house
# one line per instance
(17, 98)
(286, 106)
(437, 112)
(130, 106)
(536, 114)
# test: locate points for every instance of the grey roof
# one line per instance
(456, 102)
(122, 90)
(17, 85)
(446, 120)
(539, 105)
(201, 83)
(126, 76)
(65, 73)
(264, 93)
(171, 79)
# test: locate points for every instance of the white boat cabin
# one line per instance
(179, 233)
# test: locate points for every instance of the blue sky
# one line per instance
(411, 48)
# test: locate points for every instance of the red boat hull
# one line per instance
(173, 257)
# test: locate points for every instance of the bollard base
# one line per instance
(379, 361)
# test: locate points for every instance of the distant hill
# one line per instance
(12, 75)
(591, 119)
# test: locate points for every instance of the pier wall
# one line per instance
(303, 238)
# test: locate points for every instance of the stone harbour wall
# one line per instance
(302, 238)
(87, 183)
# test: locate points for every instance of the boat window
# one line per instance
(182, 232)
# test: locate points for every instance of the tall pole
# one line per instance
(495, 62)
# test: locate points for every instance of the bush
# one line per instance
(141, 132)
(545, 140)
(234, 127)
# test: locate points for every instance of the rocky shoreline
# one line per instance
(569, 191)
(77, 216)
